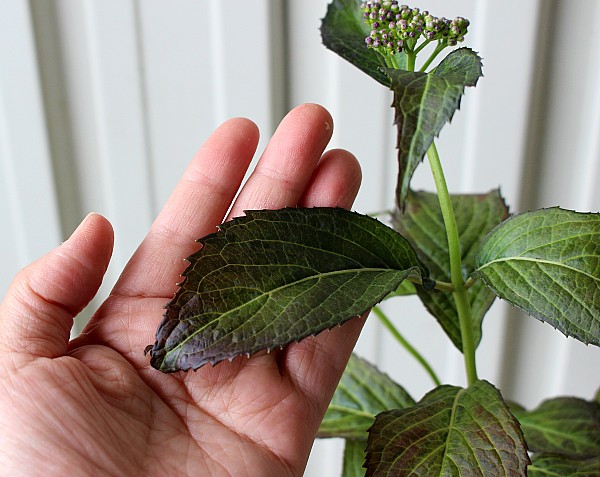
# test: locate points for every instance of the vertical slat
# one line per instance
(117, 89)
(203, 65)
(27, 196)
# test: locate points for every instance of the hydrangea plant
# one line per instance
(271, 278)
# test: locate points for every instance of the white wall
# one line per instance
(103, 102)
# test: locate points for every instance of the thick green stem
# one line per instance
(407, 346)
(460, 295)
(411, 58)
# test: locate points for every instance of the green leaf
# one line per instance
(354, 458)
(423, 103)
(547, 262)
(422, 224)
(362, 393)
(549, 465)
(274, 277)
(451, 431)
(406, 288)
(343, 30)
(565, 425)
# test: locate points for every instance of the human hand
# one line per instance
(94, 406)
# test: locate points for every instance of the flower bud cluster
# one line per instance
(394, 27)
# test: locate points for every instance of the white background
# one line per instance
(102, 104)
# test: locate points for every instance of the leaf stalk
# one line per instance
(405, 344)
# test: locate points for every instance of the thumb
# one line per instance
(37, 313)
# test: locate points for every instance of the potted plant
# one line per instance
(274, 277)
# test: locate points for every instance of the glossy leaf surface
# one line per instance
(362, 393)
(547, 262)
(565, 425)
(344, 30)
(274, 277)
(451, 431)
(423, 104)
(422, 224)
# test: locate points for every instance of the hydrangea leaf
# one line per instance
(451, 431)
(547, 262)
(271, 278)
(552, 465)
(564, 425)
(362, 393)
(423, 103)
(354, 458)
(422, 224)
(406, 288)
(343, 31)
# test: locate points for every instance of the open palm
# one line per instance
(94, 406)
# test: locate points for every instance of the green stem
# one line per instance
(439, 285)
(440, 46)
(421, 46)
(470, 282)
(407, 346)
(411, 58)
(460, 295)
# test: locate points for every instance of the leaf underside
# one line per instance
(451, 431)
(566, 425)
(423, 225)
(343, 31)
(547, 262)
(362, 393)
(354, 458)
(271, 278)
(423, 104)
(552, 465)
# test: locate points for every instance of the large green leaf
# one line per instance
(274, 277)
(551, 465)
(354, 458)
(423, 103)
(565, 425)
(344, 30)
(362, 393)
(547, 262)
(451, 431)
(422, 224)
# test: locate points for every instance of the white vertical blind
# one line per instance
(28, 208)
(102, 104)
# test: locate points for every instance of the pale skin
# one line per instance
(93, 406)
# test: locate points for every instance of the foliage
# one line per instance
(275, 277)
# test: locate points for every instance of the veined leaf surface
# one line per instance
(271, 278)
(362, 393)
(547, 262)
(354, 458)
(344, 30)
(451, 431)
(423, 225)
(423, 103)
(563, 425)
(552, 465)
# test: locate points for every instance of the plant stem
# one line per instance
(396, 334)
(460, 295)
(411, 58)
(440, 46)
(439, 285)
